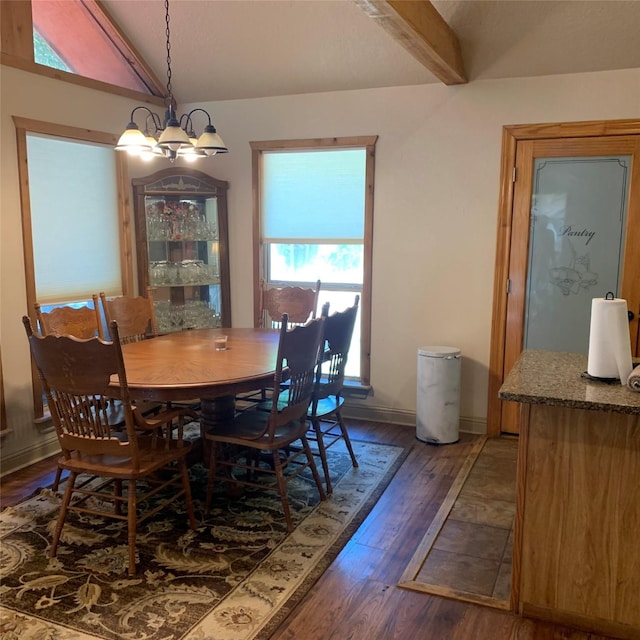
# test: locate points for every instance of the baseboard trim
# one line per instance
(477, 426)
(27, 457)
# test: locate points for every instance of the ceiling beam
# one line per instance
(422, 31)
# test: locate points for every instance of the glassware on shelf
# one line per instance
(195, 314)
(174, 221)
(187, 272)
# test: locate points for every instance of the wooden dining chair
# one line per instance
(325, 409)
(327, 425)
(136, 318)
(81, 322)
(300, 304)
(258, 432)
(135, 315)
(76, 376)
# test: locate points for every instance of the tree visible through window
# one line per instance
(44, 54)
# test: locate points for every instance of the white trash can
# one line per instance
(438, 402)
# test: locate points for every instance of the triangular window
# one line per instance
(77, 38)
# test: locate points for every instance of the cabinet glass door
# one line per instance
(183, 257)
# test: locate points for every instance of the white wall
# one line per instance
(435, 211)
(435, 208)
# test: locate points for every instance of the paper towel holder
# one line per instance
(587, 376)
(613, 297)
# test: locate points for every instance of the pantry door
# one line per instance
(573, 234)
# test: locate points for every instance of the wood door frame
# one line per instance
(511, 135)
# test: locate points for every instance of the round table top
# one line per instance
(185, 365)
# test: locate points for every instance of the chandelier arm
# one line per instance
(174, 137)
(149, 113)
(199, 109)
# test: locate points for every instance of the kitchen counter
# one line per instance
(556, 378)
(576, 558)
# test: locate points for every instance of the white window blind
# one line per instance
(74, 219)
(314, 195)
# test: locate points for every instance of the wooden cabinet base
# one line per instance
(588, 624)
(576, 550)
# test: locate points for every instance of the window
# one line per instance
(83, 40)
(72, 185)
(314, 220)
(76, 42)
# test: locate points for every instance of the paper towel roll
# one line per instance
(609, 343)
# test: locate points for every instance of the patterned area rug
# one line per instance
(234, 578)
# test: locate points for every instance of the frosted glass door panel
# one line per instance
(576, 241)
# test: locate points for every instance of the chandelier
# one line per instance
(172, 137)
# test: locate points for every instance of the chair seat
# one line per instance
(249, 425)
(324, 407)
(154, 454)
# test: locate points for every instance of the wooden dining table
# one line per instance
(186, 365)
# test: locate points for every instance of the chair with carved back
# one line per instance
(327, 426)
(136, 318)
(81, 322)
(325, 414)
(299, 303)
(76, 376)
(135, 315)
(269, 434)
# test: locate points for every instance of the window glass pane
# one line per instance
(314, 194)
(44, 54)
(331, 263)
(73, 194)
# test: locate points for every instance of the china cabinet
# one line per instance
(182, 247)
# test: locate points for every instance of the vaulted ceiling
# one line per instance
(228, 49)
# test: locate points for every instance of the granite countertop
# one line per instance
(555, 378)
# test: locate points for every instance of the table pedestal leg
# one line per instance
(213, 411)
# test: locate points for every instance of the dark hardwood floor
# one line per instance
(357, 597)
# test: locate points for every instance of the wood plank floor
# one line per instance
(357, 597)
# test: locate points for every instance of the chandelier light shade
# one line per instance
(171, 137)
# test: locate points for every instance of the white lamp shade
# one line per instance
(211, 143)
(133, 141)
(173, 138)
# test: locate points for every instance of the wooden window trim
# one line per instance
(25, 126)
(366, 142)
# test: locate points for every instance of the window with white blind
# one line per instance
(315, 219)
(74, 223)
(72, 184)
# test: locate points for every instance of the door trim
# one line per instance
(511, 135)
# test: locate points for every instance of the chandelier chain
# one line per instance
(167, 32)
